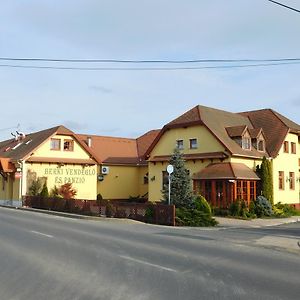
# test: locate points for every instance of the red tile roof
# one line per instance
(274, 125)
(236, 131)
(120, 151)
(216, 121)
(30, 142)
(230, 171)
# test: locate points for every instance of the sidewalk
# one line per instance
(255, 223)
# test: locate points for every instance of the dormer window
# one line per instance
(246, 143)
(261, 145)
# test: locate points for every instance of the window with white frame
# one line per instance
(246, 143)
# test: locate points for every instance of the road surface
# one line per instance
(50, 257)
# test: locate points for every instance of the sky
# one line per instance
(128, 103)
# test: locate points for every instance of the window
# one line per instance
(68, 145)
(293, 148)
(286, 147)
(55, 144)
(261, 145)
(292, 180)
(252, 190)
(281, 180)
(165, 179)
(246, 143)
(179, 144)
(193, 144)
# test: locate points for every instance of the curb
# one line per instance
(69, 215)
(230, 223)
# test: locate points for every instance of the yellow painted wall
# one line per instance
(9, 189)
(206, 141)
(249, 162)
(156, 178)
(286, 162)
(120, 183)
(44, 149)
(143, 187)
(83, 179)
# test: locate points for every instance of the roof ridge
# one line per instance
(105, 136)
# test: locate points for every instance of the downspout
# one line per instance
(21, 184)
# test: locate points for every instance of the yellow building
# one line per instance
(123, 169)
(113, 167)
(222, 151)
(54, 156)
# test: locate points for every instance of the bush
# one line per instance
(263, 207)
(149, 214)
(239, 208)
(193, 217)
(35, 188)
(234, 208)
(201, 204)
(284, 210)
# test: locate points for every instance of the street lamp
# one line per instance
(170, 170)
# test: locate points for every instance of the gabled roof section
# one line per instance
(255, 132)
(104, 147)
(274, 125)
(120, 151)
(22, 148)
(188, 118)
(145, 140)
(236, 131)
(228, 171)
(26, 145)
(216, 121)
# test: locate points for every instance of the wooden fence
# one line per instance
(146, 212)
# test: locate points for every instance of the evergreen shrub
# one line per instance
(263, 207)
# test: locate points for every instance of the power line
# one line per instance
(149, 68)
(286, 6)
(145, 61)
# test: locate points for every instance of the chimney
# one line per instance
(89, 141)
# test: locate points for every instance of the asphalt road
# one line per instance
(50, 257)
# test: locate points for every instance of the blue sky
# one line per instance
(129, 103)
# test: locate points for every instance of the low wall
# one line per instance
(13, 203)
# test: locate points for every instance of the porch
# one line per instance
(223, 183)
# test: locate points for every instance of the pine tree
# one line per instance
(181, 191)
(266, 176)
(44, 192)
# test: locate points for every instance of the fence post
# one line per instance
(173, 215)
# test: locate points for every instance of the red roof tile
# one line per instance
(233, 171)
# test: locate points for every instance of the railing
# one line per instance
(145, 212)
